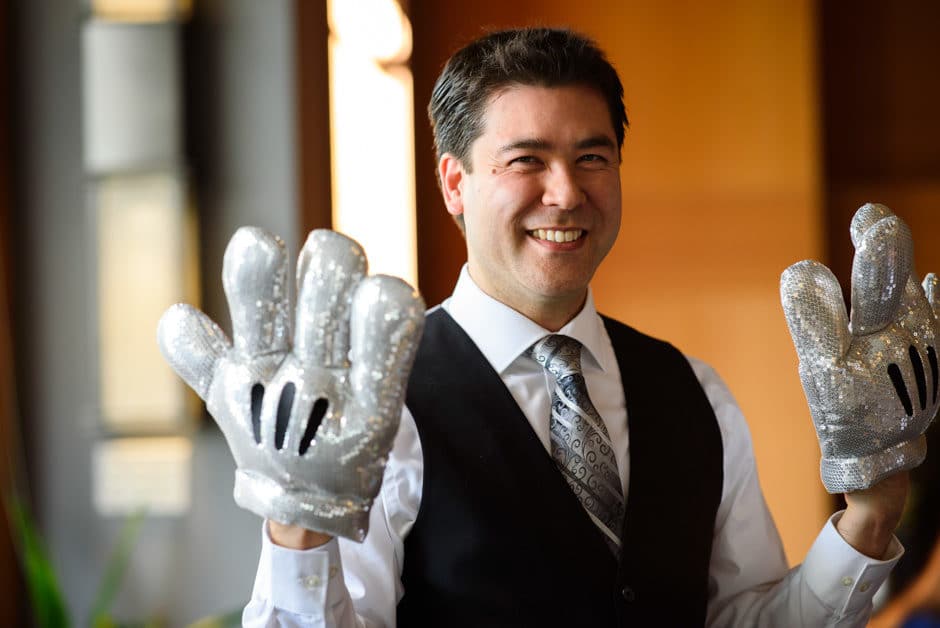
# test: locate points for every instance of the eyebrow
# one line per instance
(595, 141)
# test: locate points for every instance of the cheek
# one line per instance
(505, 207)
(606, 197)
(515, 189)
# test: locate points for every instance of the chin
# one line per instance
(563, 289)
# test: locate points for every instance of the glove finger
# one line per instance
(865, 218)
(328, 269)
(254, 276)
(192, 344)
(386, 323)
(880, 272)
(931, 287)
(815, 312)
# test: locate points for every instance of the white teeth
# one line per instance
(558, 235)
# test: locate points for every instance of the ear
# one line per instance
(451, 173)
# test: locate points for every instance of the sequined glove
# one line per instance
(310, 418)
(871, 382)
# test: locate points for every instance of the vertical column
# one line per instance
(143, 228)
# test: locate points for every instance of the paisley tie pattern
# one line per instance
(580, 444)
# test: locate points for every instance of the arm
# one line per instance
(921, 595)
(870, 378)
(309, 416)
(872, 515)
(866, 384)
(295, 537)
(749, 582)
(300, 588)
(362, 581)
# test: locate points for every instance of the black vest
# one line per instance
(500, 539)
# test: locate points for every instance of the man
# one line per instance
(659, 520)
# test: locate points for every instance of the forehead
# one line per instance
(569, 112)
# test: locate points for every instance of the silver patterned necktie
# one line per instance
(580, 444)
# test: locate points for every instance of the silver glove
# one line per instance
(310, 419)
(871, 382)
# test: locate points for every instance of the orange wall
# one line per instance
(721, 193)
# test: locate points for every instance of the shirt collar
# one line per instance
(502, 334)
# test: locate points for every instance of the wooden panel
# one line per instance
(9, 570)
(881, 95)
(311, 68)
(721, 186)
(881, 89)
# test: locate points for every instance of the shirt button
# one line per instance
(628, 594)
(864, 587)
(310, 582)
(847, 581)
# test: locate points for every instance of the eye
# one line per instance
(524, 160)
(593, 159)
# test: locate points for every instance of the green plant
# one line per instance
(229, 620)
(114, 573)
(45, 594)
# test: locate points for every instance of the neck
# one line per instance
(551, 315)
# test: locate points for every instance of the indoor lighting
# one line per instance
(141, 10)
(377, 29)
(372, 133)
(146, 260)
(145, 253)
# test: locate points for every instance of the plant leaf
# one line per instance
(232, 619)
(114, 571)
(45, 596)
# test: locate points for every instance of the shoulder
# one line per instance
(735, 434)
(619, 332)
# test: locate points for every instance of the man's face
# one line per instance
(542, 203)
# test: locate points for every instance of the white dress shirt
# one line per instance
(344, 583)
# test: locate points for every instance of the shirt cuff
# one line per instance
(305, 582)
(843, 578)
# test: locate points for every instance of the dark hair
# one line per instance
(545, 57)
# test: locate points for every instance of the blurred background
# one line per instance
(137, 135)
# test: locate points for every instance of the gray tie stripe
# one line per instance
(580, 444)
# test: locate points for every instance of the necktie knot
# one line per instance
(559, 355)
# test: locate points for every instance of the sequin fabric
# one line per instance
(580, 444)
(309, 416)
(871, 379)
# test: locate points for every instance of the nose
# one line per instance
(562, 189)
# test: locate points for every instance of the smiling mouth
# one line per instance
(556, 235)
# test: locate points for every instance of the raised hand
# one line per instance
(309, 416)
(872, 381)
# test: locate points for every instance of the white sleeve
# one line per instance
(749, 584)
(345, 584)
